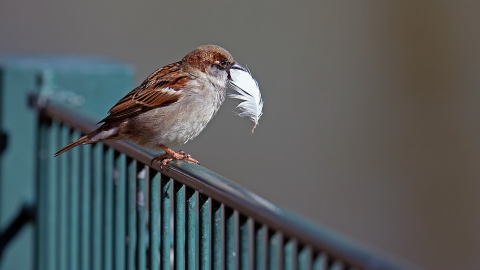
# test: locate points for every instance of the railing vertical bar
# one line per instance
(154, 219)
(165, 245)
(236, 233)
(245, 246)
(62, 202)
(320, 262)
(96, 156)
(119, 179)
(229, 239)
(305, 258)
(251, 243)
(337, 265)
(290, 255)
(108, 183)
(217, 237)
(85, 201)
(68, 202)
(52, 215)
(44, 173)
(141, 222)
(131, 191)
(73, 212)
(191, 229)
(261, 246)
(41, 236)
(275, 249)
(179, 226)
(205, 231)
(280, 250)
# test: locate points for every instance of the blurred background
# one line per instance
(371, 119)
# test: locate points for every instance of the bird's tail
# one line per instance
(102, 133)
(82, 140)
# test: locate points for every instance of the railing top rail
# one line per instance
(234, 196)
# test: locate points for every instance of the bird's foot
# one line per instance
(171, 155)
(160, 158)
(179, 156)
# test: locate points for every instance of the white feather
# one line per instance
(248, 92)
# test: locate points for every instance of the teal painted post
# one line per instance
(179, 229)
(166, 233)
(141, 218)
(205, 232)
(217, 237)
(244, 239)
(17, 162)
(261, 247)
(274, 251)
(131, 213)
(320, 262)
(336, 265)
(73, 203)
(86, 207)
(62, 162)
(97, 207)
(290, 255)
(119, 180)
(230, 255)
(154, 219)
(191, 229)
(83, 82)
(44, 171)
(305, 258)
(108, 166)
(51, 184)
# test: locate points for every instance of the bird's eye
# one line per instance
(221, 64)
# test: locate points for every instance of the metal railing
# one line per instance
(105, 206)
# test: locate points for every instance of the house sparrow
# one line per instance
(172, 105)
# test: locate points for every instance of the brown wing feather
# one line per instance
(160, 89)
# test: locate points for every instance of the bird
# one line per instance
(171, 106)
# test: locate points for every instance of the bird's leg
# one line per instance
(173, 155)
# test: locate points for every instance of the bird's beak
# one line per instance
(236, 66)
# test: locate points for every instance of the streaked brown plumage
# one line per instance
(172, 105)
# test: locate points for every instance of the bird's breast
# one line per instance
(177, 123)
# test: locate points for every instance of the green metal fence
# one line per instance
(105, 206)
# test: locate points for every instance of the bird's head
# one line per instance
(211, 62)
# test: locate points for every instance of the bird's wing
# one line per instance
(160, 89)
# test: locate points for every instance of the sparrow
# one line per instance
(171, 106)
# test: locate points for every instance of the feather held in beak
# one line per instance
(248, 92)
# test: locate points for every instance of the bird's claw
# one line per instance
(166, 160)
(180, 155)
